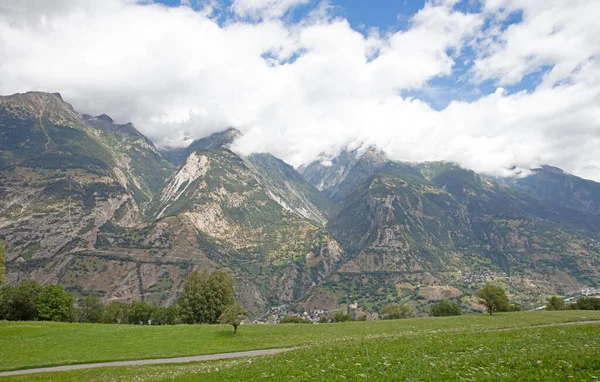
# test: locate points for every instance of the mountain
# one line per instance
(336, 178)
(553, 185)
(286, 185)
(225, 138)
(440, 225)
(93, 205)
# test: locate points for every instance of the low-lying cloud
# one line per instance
(314, 86)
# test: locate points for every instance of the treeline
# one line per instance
(584, 303)
(205, 299)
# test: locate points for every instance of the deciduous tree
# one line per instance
(232, 315)
(55, 304)
(20, 303)
(493, 298)
(204, 298)
(90, 309)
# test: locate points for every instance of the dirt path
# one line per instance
(213, 357)
(158, 361)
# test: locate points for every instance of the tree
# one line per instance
(90, 309)
(2, 264)
(192, 299)
(20, 303)
(445, 308)
(232, 315)
(165, 315)
(140, 313)
(493, 298)
(586, 303)
(396, 311)
(55, 304)
(115, 312)
(204, 298)
(219, 295)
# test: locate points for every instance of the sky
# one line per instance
(498, 86)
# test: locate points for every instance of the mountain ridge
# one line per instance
(94, 205)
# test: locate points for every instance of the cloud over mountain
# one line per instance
(298, 87)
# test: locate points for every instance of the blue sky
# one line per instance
(390, 16)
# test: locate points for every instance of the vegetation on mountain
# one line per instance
(2, 264)
(92, 205)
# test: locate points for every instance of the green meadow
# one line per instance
(506, 346)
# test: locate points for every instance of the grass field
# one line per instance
(455, 348)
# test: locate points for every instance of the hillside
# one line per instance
(93, 205)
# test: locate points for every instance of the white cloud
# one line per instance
(297, 90)
(264, 9)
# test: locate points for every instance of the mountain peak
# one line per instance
(36, 103)
(104, 117)
(219, 139)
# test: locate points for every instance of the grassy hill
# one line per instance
(508, 346)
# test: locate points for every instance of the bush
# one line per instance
(340, 317)
(295, 320)
(397, 311)
(555, 303)
(445, 308)
(586, 303)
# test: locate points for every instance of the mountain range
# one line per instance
(95, 206)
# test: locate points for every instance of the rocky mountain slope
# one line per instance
(93, 205)
(436, 224)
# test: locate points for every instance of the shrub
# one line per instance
(295, 320)
(586, 303)
(397, 311)
(445, 308)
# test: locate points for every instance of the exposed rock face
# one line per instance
(431, 225)
(93, 205)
